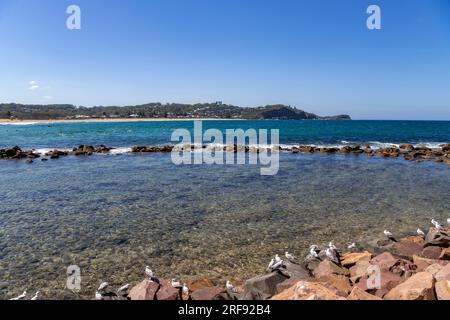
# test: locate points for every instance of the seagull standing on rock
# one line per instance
(313, 251)
(448, 221)
(352, 246)
(185, 289)
(36, 296)
(436, 224)
(289, 256)
(229, 286)
(21, 297)
(98, 296)
(271, 263)
(331, 254)
(123, 289)
(389, 235)
(148, 272)
(420, 233)
(176, 284)
(103, 286)
(277, 258)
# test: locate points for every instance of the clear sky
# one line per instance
(315, 55)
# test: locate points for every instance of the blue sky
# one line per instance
(315, 55)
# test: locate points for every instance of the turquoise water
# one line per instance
(127, 134)
(113, 215)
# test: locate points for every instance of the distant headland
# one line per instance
(216, 110)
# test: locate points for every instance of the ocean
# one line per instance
(112, 215)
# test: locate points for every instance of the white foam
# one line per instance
(122, 150)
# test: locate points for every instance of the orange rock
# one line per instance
(423, 263)
(445, 254)
(351, 258)
(419, 287)
(145, 290)
(326, 267)
(385, 261)
(443, 274)
(359, 294)
(305, 290)
(199, 284)
(414, 239)
(443, 290)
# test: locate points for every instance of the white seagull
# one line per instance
(124, 288)
(289, 256)
(103, 286)
(331, 254)
(229, 286)
(148, 272)
(21, 297)
(277, 258)
(271, 263)
(185, 289)
(36, 296)
(352, 246)
(436, 224)
(98, 296)
(313, 251)
(175, 284)
(332, 246)
(448, 221)
(420, 232)
(389, 235)
(278, 265)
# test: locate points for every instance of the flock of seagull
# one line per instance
(277, 263)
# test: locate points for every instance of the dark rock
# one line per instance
(295, 271)
(262, 287)
(437, 237)
(167, 292)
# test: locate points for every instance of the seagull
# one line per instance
(229, 286)
(277, 265)
(175, 284)
(36, 296)
(124, 288)
(149, 273)
(21, 297)
(289, 256)
(98, 296)
(352, 246)
(436, 224)
(272, 262)
(277, 258)
(313, 251)
(389, 235)
(332, 246)
(331, 254)
(420, 232)
(448, 221)
(185, 289)
(103, 286)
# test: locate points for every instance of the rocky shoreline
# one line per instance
(406, 151)
(411, 268)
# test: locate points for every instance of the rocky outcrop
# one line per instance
(437, 237)
(359, 294)
(419, 287)
(306, 290)
(263, 287)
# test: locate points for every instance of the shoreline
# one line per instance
(30, 121)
